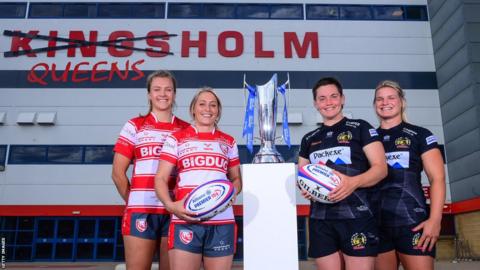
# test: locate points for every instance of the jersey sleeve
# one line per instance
(368, 134)
(233, 159)
(304, 148)
(427, 141)
(170, 150)
(125, 144)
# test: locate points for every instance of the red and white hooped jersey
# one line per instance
(200, 157)
(141, 140)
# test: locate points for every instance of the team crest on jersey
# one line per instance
(358, 241)
(141, 224)
(402, 142)
(415, 239)
(224, 148)
(344, 137)
(186, 236)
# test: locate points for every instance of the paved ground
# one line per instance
(304, 265)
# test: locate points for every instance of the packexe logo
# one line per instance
(328, 153)
(392, 157)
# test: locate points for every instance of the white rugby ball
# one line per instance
(317, 180)
(210, 199)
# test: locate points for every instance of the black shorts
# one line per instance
(354, 237)
(403, 240)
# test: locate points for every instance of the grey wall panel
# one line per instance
(458, 72)
(466, 188)
(475, 52)
(464, 145)
(464, 123)
(464, 167)
(435, 6)
(473, 32)
(447, 28)
(457, 62)
(457, 83)
(456, 42)
(472, 12)
(455, 106)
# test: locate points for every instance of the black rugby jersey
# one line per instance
(401, 195)
(340, 147)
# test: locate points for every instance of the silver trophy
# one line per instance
(267, 120)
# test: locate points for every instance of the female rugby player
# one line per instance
(191, 241)
(408, 228)
(145, 220)
(353, 149)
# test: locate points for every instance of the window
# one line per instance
(355, 13)
(65, 154)
(148, 11)
(13, 10)
(388, 13)
(45, 10)
(416, 13)
(80, 10)
(322, 12)
(219, 11)
(99, 154)
(114, 10)
(252, 11)
(27, 154)
(286, 12)
(184, 10)
(3, 157)
(59, 154)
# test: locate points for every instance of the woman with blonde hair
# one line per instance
(145, 220)
(192, 241)
(408, 228)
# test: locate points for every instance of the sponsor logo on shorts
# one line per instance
(186, 236)
(358, 241)
(415, 239)
(222, 246)
(344, 137)
(141, 224)
(362, 208)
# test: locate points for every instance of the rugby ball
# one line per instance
(317, 180)
(210, 198)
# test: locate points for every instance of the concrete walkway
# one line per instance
(304, 265)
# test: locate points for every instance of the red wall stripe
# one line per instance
(117, 210)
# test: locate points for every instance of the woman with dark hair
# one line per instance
(344, 233)
(145, 220)
(192, 241)
(408, 229)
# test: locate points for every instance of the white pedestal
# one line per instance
(269, 217)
